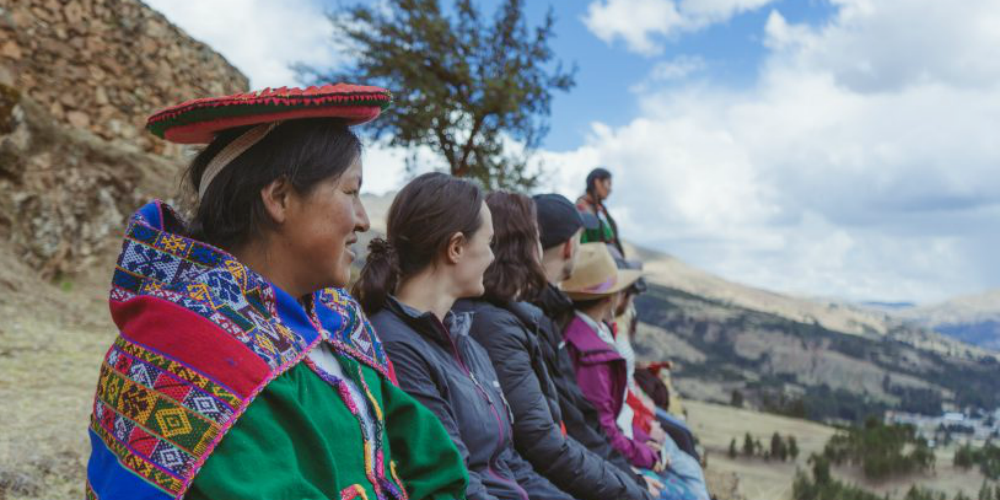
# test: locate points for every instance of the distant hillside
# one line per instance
(823, 361)
(670, 272)
(803, 369)
(974, 319)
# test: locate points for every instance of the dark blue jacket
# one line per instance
(509, 333)
(451, 374)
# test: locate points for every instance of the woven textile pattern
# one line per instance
(168, 392)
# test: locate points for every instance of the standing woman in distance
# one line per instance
(436, 250)
(592, 202)
(242, 370)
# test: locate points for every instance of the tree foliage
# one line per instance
(466, 85)
(987, 457)
(881, 450)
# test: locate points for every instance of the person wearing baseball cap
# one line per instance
(560, 227)
(243, 369)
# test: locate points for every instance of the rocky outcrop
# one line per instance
(105, 65)
(77, 80)
(65, 193)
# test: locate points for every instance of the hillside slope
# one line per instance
(670, 272)
(803, 369)
(974, 319)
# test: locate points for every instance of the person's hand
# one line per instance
(654, 486)
(655, 446)
(659, 467)
(657, 433)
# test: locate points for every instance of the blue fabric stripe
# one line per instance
(112, 481)
(293, 315)
(330, 320)
(151, 212)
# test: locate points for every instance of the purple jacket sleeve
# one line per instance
(595, 383)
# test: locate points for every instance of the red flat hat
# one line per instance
(199, 120)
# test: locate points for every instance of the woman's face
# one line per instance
(322, 226)
(603, 188)
(476, 258)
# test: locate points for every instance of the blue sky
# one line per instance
(732, 51)
(835, 148)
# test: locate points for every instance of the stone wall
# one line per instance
(78, 78)
(106, 65)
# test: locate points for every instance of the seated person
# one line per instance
(436, 250)
(602, 372)
(506, 327)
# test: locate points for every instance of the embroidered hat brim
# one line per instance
(199, 120)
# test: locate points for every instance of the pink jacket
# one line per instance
(603, 379)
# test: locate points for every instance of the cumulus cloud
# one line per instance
(644, 24)
(260, 37)
(676, 69)
(862, 164)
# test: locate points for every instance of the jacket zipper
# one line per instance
(496, 415)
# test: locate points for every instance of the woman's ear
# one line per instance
(276, 197)
(455, 249)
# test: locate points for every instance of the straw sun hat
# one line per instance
(596, 276)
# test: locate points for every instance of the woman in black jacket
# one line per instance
(507, 327)
(436, 250)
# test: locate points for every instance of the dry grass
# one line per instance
(52, 338)
(716, 425)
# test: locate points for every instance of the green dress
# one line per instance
(298, 440)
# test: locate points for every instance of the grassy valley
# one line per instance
(803, 369)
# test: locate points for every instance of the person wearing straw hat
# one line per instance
(596, 287)
(242, 369)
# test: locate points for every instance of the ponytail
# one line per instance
(423, 217)
(379, 276)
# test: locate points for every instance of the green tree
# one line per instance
(778, 449)
(820, 469)
(736, 399)
(965, 457)
(748, 445)
(732, 448)
(793, 447)
(466, 85)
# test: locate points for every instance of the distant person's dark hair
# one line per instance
(584, 304)
(305, 152)
(423, 217)
(597, 174)
(516, 272)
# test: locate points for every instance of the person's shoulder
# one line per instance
(390, 327)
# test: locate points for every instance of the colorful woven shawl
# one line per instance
(200, 335)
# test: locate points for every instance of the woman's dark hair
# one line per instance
(597, 174)
(304, 151)
(423, 218)
(516, 273)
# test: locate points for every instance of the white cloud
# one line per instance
(260, 37)
(862, 164)
(643, 24)
(925, 41)
(635, 21)
(677, 68)
(674, 70)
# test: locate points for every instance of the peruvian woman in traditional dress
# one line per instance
(242, 368)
